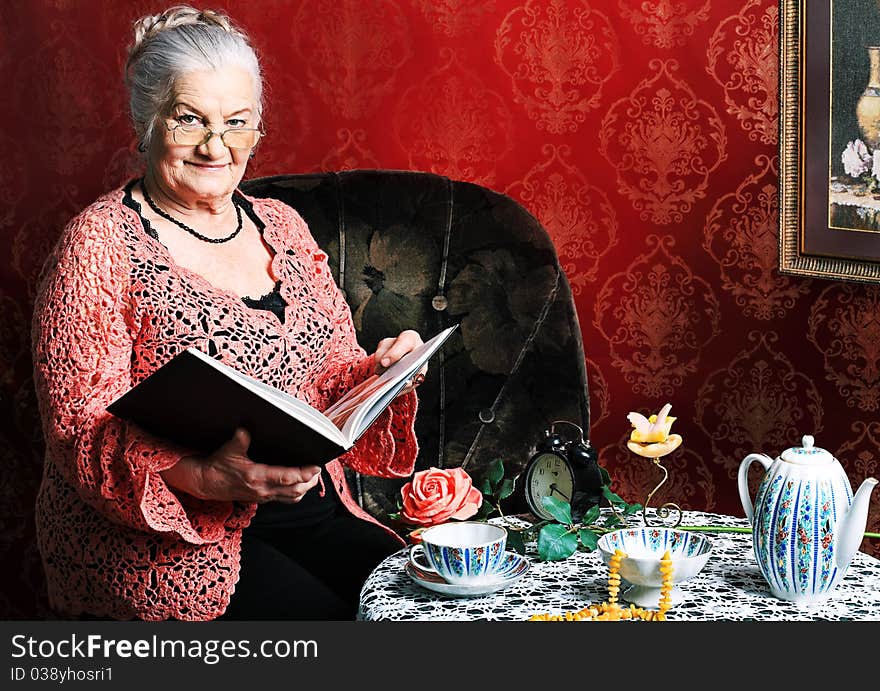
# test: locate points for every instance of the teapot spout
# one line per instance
(852, 526)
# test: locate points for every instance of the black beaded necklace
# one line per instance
(191, 231)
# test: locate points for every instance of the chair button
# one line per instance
(439, 302)
(487, 415)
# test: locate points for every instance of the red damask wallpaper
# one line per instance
(643, 134)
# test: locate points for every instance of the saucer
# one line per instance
(513, 568)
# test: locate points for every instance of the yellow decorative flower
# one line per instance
(651, 437)
(653, 429)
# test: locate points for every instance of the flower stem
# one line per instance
(715, 528)
(736, 529)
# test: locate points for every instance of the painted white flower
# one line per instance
(875, 168)
(857, 159)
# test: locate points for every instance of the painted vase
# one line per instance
(868, 105)
(806, 523)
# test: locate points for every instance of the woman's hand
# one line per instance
(390, 350)
(229, 475)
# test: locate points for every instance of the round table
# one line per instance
(730, 587)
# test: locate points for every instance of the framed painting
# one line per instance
(829, 144)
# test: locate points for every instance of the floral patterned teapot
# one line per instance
(806, 524)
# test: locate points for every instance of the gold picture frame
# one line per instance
(817, 114)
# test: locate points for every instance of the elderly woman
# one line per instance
(133, 526)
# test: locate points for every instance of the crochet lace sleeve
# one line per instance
(389, 447)
(82, 348)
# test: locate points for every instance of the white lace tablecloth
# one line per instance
(730, 587)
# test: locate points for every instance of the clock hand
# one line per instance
(554, 489)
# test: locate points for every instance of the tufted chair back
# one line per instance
(418, 251)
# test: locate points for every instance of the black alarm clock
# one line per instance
(567, 469)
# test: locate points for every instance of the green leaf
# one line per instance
(535, 527)
(606, 478)
(614, 519)
(495, 472)
(483, 512)
(560, 510)
(507, 487)
(611, 496)
(394, 516)
(515, 541)
(631, 509)
(555, 542)
(588, 538)
(591, 515)
(486, 488)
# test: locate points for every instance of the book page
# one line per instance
(352, 399)
(351, 415)
(363, 416)
(357, 409)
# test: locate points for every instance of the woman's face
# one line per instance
(221, 99)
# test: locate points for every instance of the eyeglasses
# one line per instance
(196, 135)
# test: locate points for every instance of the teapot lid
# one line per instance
(807, 454)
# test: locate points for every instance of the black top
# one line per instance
(271, 301)
(312, 508)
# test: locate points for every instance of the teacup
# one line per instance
(462, 552)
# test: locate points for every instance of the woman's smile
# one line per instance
(208, 167)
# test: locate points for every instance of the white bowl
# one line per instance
(644, 547)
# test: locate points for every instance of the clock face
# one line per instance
(548, 475)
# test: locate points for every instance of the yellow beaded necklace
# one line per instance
(611, 610)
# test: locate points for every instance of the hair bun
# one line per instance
(149, 26)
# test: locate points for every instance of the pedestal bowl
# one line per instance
(644, 548)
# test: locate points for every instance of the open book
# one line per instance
(197, 402)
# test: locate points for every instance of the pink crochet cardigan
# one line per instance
(112, 306)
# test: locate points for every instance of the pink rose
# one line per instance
(435, 496)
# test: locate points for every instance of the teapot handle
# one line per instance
(742, 480)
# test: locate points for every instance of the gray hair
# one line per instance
(168, 45)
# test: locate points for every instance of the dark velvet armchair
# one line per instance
(419, 251)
